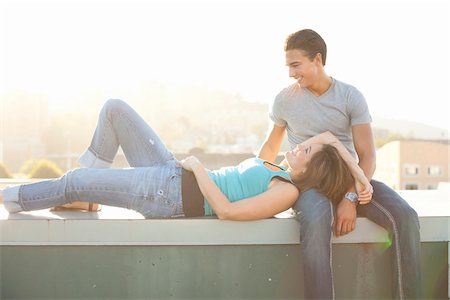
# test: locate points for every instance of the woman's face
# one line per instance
(299, 157)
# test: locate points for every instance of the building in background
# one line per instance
(413, 165)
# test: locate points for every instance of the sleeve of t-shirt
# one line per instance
(275, 113)
(358, 108)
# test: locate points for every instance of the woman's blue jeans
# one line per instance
(387, 209)
(151, 186)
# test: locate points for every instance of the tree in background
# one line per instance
(4, 171)
(41, 169)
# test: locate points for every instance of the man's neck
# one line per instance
(321, 86)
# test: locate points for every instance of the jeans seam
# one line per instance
(103, 138)
(331, 255)
(397, 246)
(105, 118)
(95, 189)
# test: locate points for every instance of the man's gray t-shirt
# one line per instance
(305, 115)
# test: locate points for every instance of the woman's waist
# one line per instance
(192, 197)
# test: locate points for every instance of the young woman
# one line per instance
(159, 186)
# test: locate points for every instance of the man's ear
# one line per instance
(318, 59)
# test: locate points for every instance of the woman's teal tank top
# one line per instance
(250, 178)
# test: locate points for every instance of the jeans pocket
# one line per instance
(166, 201)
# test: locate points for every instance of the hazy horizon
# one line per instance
(394, 52)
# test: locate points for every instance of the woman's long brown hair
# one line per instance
(328, 173)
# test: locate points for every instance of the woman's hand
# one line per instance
(364, 189)
(189, 162)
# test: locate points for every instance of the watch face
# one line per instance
(353, 197)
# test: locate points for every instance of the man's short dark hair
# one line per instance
(308, 41)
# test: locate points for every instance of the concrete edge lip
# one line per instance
(117, 226)
(189, 232)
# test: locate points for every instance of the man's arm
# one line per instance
(272, 143)
(365, 148)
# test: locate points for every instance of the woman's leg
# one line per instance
(153, 191)
(120, 125)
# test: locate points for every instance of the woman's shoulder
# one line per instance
(282, 183)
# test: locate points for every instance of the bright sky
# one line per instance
(395, 52)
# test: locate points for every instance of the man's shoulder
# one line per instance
(343, 85)
(347, 90)
(287, 92)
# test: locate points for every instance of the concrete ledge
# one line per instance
(116, 254)
(115, 226)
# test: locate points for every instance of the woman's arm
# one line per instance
(328, 138)
(364, 189)
(362, 184)
(277, 199)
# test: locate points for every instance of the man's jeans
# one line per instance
(387, 209)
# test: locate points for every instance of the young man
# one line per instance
(316, 103)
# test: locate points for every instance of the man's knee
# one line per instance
(404, 215)
(311, 201)
(408, 220)
(313, 209)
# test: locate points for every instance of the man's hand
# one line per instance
(346, 217)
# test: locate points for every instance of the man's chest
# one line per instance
(316, 116)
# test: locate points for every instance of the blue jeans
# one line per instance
(387, 209)
(152, 186)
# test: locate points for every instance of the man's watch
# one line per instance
(352, 197)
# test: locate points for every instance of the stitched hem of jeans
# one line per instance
(20, 198)
(91, 159)
(397, 247)
(99, 156)
(11, 199)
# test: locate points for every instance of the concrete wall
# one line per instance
(361, 271)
